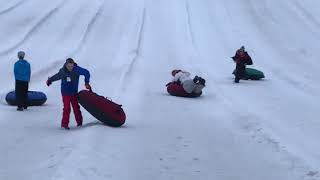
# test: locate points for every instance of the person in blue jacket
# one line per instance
(22, 73)
(69, 76)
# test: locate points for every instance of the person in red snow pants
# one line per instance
(69, 76)
(69, 101)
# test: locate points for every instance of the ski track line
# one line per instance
(308, 15)
(310, 64)
(190, 29)
(299, 85)
(195, 50)
(267, 13)
(218, 30)
(251, 126)
(128, 70)
(61, 163)
(57, 63)
(12, 7)
(88, 30)
(34, 28)
(304, 18)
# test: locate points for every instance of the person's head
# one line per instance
(175, 71)
(21, 54)
(69, 64)
(241, 51)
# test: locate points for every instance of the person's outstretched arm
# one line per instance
(56, 77)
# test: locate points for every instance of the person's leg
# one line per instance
(237, 79)
(76, 110)
(189, 86)
(243, 72)
(66, 111)
(198, 88)
(202, 81)
(19, 95)
(25, 94)
(238, 73)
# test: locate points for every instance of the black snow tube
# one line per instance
(103, 109)
(35, 98)
(176, 89)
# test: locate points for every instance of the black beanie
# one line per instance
(70, 60)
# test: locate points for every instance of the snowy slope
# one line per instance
(266, 130)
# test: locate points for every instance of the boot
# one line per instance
(65, 128)
(202, 81)
(196, 79)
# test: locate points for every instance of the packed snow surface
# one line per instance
(255, 130)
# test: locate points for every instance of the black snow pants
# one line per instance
(240, 72)
(22, 93)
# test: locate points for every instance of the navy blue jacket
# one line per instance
(70, 80)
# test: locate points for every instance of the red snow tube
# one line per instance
(105, 110)
(176, 89)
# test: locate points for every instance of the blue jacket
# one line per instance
(70, 80)
(22, 70)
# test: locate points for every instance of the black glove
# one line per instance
(87, 85)
(49, 82)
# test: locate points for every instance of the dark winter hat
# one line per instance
(70, 60)
(175, 71)
(242, 48)
(21, 54)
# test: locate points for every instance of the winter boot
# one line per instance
(65, 128)
(202, 81)
(19, 109)
(196, 79)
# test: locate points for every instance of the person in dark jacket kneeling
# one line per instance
(241, 59)
(22, 73)
(69, 76)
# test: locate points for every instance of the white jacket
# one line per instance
(182, 76)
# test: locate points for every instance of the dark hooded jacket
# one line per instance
(70, 80)
(241, 62)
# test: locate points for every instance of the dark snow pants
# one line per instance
(21, 91)
(240, 72)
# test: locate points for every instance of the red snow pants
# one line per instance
(67, 102)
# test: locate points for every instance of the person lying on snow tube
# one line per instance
(183, 85)
(241, 59)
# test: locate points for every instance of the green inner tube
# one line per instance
(252, 74)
